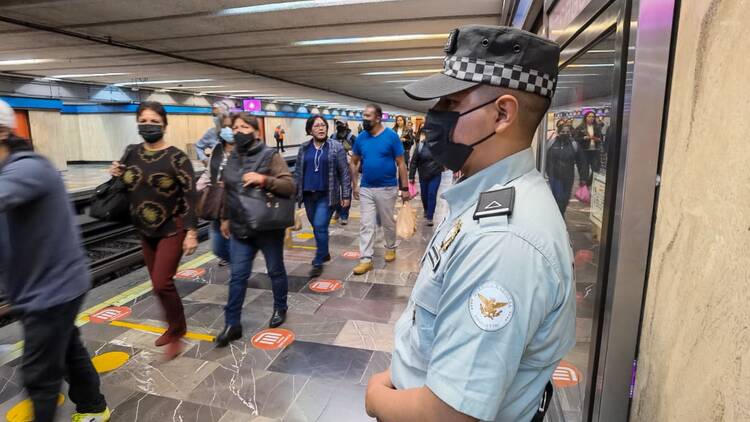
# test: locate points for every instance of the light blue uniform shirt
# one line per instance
(493, 311)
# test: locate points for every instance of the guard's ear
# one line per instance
(507, 112)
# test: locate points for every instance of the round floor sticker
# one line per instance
(190, 274)
(274, 338)
(109, 314)
(566, 375)
(24, 410)
(325, 286)
(350, 255)
(109, 361)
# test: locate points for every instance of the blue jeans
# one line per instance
(561, 190)
(319, 214)
(219, 244)
(243, 251)
(429, 190)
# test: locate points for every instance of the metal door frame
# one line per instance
(644, 32)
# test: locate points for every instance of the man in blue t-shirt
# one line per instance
(380, 152)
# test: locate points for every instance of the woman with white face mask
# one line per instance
(212, 176)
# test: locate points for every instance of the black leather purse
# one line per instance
(264, 210)
(110, 201)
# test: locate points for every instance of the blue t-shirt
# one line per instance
(312, 180)
(378, 154)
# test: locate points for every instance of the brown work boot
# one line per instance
(363, 267)
(390, 255)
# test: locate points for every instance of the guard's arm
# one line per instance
(417, 404)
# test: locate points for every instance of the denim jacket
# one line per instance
(339, 178)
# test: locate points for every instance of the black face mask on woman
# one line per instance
(151, 133)
(244, 140)
(439, 127)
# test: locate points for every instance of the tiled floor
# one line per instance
(341, 339)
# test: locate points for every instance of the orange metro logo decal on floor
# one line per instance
(350, 255)
(566, 375)
(272, 339)
(325, 286)
(109, 314)
(190, 274)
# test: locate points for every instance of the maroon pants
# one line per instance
(162, 256)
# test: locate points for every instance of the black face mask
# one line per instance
(340, 128)
(439, 127)
(564, 137)
(151, 133)
(244, 140)
(367, 125)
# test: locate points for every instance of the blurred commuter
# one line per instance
(273, 175)
(279, 134)
(45, 276)
(381, 153)
(563, 156)
(430, 172)
(209, 139)
(323, 181)
(589, 137)
(347, 139)
(212, 176)
(406, 136)
(161, 190)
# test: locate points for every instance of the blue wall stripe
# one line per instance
(33, 103)
(55, 104)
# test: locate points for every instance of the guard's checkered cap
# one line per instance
(493, 55)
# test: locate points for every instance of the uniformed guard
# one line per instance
(493, 310)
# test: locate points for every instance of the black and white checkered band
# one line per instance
(498, 74)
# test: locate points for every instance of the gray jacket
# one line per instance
(45, 264)
(339, 178)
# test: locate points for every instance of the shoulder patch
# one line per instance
(495, 202)
(490, 306)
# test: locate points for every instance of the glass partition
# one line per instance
(577, 139)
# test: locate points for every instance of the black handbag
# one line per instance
(110, 202)
(264, 210)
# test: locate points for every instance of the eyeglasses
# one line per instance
(319, 125)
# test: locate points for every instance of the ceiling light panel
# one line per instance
(149, 83)
(88, 75)
(376, 39)
(402, 72)
(397, 59)
(294, 5)
(21, 62)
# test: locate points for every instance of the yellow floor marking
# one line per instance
(109, 361)
(304, 236)
(16, 350)
(24, 410)
(309, 248)
(159, 330)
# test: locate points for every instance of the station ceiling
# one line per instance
(337, 51)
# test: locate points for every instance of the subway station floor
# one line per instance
(315, 369)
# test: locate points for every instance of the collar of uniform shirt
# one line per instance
(465, 194)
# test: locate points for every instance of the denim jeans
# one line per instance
(319, 215)
(219, 244)
(429, 190)
(561, 190)
(52, 351)
(243, 252)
